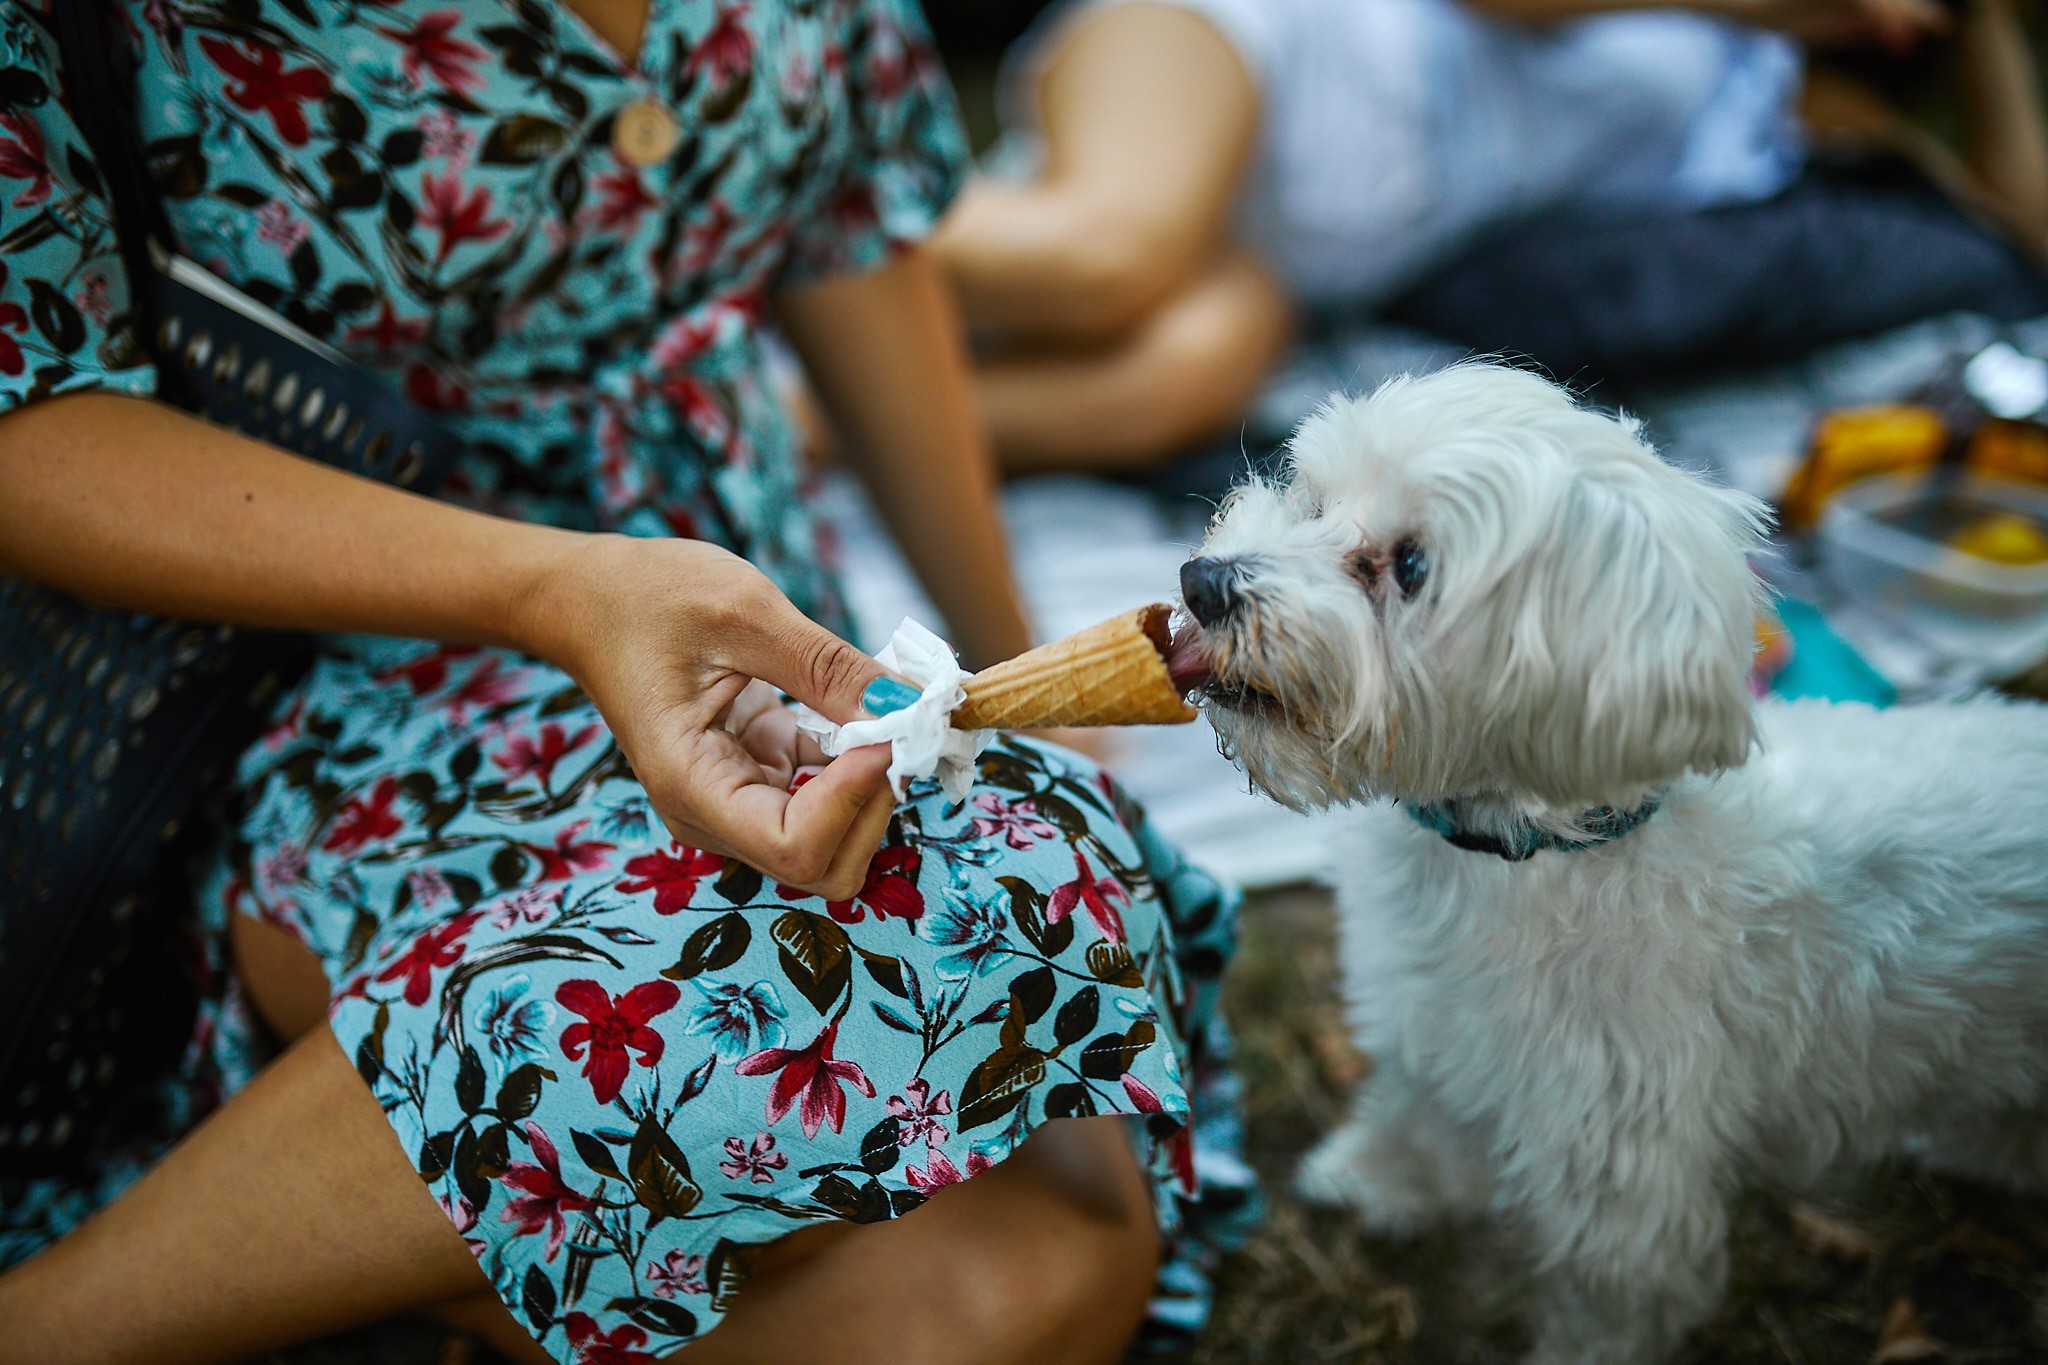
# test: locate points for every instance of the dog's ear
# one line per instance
(1657, 647)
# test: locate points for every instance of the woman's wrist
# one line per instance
(555, 592)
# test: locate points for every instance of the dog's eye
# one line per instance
(1410, 566)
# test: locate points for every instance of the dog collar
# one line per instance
(1602, 825)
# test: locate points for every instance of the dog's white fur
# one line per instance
(1831, 943)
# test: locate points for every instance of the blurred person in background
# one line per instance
(1609, 194)
(546, 1054)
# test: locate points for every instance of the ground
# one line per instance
(1882, 1269)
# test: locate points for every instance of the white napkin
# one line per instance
(921, 738)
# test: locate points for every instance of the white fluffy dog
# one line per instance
(1629, 937)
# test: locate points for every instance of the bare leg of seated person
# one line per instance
(292, 1213)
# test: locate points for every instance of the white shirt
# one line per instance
(1397, 131)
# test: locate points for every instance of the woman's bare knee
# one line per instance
(281, 975)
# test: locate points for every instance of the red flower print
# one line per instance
(462, 1213)
(1092, 892)
(672, 877)
(571, 853)
(611, 1027)
(890, 889)
(485, 686)
(524, 754)
(682, 341)
(365, 821)
(624, 199)
(27, 160)
(616, 1347)
(427, 672)
(428, 45)
(703, 237)
(544, 1196)
(440, 946)
(727, 50)
(389, 332)
(456, 216)
(263, 86)
(811, 1072)
(425, 386)
(939, 1172)
(13, 318)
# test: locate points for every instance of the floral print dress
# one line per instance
(618, 1063)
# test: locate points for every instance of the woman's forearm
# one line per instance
(885, 353)
(130, 503)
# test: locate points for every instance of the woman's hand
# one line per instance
(680, 645)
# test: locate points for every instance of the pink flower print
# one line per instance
(277, 225)
(429, 887)
(891, 64)
(811, 1073)
(457, 217)
(27, 159)
(443, 138)
(613, 1030)
(676, 1274)
(939, 1172)
(682, 341)
(538, 754)
(705, 236)
(429, 49)
(545, 1198)
(1017, 822)
(462, 1213)
(529, 905)
(1095, 894)
(94, 299)
(917, 1112)
(282, 867)
(486, 685)
(572, 853)
(759, 1162)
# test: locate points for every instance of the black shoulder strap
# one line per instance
(103, 117)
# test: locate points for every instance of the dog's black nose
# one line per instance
(1209, 587)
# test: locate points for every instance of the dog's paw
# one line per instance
(1339, 1174)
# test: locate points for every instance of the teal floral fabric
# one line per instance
(617, 1062)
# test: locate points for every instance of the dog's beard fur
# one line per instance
(1584, 632)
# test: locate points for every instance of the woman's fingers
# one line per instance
(809, 662)
(849, 870)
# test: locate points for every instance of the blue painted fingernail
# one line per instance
(886, 694)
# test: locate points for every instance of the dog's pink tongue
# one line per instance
(1187, 659)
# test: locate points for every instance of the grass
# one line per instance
(1815, 1280)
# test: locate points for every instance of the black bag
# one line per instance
(113, 725)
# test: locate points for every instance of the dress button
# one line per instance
(644, 132)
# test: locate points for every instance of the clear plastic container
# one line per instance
(1888, 543)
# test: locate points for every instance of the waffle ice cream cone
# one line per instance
(1109, 674)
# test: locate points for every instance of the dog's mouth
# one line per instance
(1193, 672)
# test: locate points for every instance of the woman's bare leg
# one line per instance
(292, 1213)
(1183, 376)
(1149, 117)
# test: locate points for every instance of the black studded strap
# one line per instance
(116, 726)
